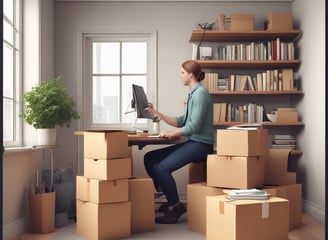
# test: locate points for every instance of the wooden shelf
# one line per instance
(247, 93)
(243, 36)
(265, 124)
(296, 152)
(249, 64)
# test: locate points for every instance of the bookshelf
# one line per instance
(243, 36)
(225, 38)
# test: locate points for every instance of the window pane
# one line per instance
(127, 82)
(106, 100)
(8, 9)
(8, 70)
(8, 32)
(106, 57)
(134, 57)
(8, 120)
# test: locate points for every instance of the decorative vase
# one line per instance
(46, 136)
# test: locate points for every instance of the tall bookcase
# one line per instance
(273, 98)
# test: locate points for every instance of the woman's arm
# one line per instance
(168, 119)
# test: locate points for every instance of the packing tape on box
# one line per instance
(265, 210)
(221, 207)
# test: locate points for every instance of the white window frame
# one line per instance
(17, 74)
(85, 101)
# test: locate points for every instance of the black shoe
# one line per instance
(172, 216)
(158, 194)
(163, 208)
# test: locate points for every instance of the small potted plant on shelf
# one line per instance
(46, 106)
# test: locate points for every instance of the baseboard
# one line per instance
(13, 229)
(314, 211)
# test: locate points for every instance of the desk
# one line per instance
(141, 140)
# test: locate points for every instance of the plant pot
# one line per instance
(46, 136)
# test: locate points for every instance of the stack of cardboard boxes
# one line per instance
(110, 203)
(241, 163)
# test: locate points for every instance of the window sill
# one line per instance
(9, 150)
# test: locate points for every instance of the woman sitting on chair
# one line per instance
(197, 125)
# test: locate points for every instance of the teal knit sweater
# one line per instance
(197, 122)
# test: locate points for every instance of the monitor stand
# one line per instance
(137, 129)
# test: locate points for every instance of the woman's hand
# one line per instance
(165, 134)
(170, 135)
(150, 108)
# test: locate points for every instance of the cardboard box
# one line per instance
(242, 22)
(103, 221)
(101, 191)
(235, 172)
(197, 172)
(246, 219)
(106, 145)
(293, 193)
(287, 116)
(196, 205)
(42, 212)
(279, 21)
(276, 168)
(107, 169)
(242, 142)
(291, 178)
(141, 196)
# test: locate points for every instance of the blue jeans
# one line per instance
(161, 163)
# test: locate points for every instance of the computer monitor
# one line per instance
(140, 102)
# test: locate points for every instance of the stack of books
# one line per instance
(284, 142)
(248, 194)
(223, 85)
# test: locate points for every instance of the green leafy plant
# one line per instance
(49, 105)
(156, 119)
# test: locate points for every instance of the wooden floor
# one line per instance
(310, 230)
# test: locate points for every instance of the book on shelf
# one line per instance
(228, 112)
(284, 142)
(280, 146)
(284, 136)
(211, 81)
(260, 51)
(269, 80)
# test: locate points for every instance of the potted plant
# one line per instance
(46, 106)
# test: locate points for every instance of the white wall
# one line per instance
(174, 22)
(310, 16)
(19, 168)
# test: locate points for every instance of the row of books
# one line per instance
(270, 50)
(270, 80)
(284, 141)
(211, 81)
(247, 113)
